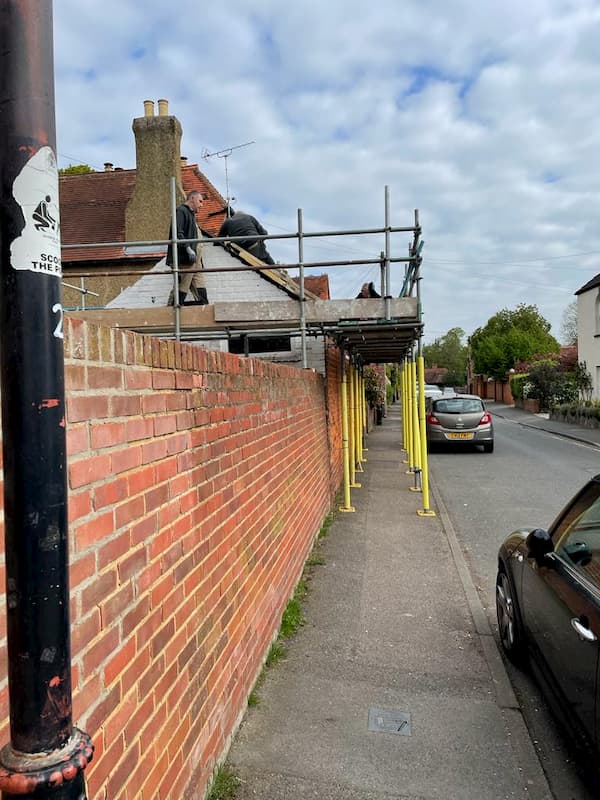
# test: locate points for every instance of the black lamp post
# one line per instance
(46, 755)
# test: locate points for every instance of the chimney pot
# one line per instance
(163, 108)
(148, 108)
(108, 167)
(184, 161)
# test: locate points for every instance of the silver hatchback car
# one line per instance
(459, 419)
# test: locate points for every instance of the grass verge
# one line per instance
(224, 785)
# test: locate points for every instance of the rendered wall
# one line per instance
(197, 483)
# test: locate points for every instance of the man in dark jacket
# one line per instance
(242, 224)
(188, 254)
(368, 290)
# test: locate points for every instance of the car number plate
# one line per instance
(459, 435)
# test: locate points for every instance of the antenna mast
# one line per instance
(224, 154)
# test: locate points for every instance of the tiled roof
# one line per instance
(435, 374)
(92, 209)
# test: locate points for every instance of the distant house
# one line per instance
(588, 330)
(435, 374)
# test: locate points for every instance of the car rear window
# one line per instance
(457, 405)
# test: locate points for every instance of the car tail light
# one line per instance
(433, 420)
(486, 419)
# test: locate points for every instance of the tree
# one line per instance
(76, 169)
(508, 337)
(568, 328)
(448, 351)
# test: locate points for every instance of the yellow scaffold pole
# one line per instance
(404, 391)
(409, 405)
(425, 511)
(415, 428)
(365, 411)
(345, 448)
(354, 484)
(358, 421)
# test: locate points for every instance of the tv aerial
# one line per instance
(224, 154)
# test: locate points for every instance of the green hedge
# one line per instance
(516, 384)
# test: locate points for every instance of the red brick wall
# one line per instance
(198, 481)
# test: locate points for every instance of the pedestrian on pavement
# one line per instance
(241, 224)
(190, 253)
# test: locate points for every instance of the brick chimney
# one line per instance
(158, 158)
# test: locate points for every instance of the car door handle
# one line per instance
(585, 634)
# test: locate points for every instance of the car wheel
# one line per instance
(509, 623)
(488, 447)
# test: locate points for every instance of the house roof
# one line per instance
(590, 284)
(93, 210)
(435, 374)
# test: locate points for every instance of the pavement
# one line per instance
(541, 421)
(394, 687)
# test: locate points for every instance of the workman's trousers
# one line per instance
(194, 282)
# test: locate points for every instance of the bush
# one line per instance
(374, 387)
(516, 385)
(586, 413)
(549, 384)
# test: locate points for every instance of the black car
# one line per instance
(548, 606)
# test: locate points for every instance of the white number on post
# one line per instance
(58, 331)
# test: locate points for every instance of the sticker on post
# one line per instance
(35, 190)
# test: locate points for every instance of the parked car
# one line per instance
(459, 419)
(430, 390)
(548, 606)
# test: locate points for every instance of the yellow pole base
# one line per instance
(426, 512)
(359, 468)
(356, 485)
(347, 509)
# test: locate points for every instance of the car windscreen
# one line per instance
(457, 405)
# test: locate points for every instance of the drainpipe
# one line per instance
(46, 755)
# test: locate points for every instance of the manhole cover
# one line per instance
(382, 721)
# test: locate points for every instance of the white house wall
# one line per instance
(247, 285)
(588, 334)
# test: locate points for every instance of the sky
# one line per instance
(484, 116)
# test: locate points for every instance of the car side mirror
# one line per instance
(539, 544)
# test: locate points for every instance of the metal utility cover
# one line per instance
(397, 722)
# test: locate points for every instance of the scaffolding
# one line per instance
(370, 330)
